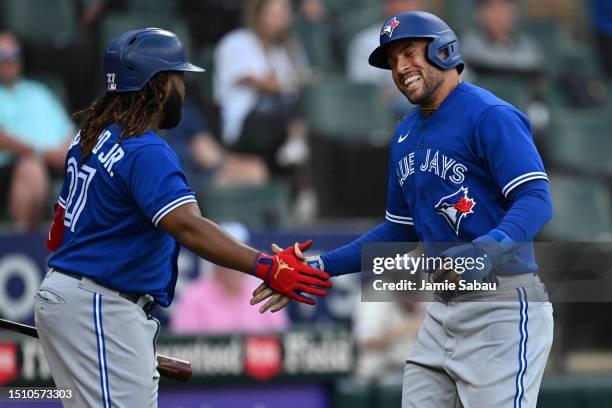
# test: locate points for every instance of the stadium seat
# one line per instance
(460, 14)
(510, 89)
(318, 46)
(342, 6)
(580, 140)
(204, 83)
(52, 22)
(167, 8)
(390, 395)
(348, 111)
(351, 395)
(250, 205)
(116, 23)
(357, 20)
(581, 209)
(553, 39)
(350, 131)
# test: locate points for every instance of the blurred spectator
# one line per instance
(219, 302)
(602, 24)
(90, 12)
(318, 30)
(260, 71)
(385, 333)
(366, 41)
(496, 46)
(204, 160)
(34, 132)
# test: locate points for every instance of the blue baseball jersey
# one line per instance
(113, 204)
(451, 174)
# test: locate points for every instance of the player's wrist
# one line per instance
(315, 262)
(263, 266)
(489, 249)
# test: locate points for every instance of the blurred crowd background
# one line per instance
(287, 133)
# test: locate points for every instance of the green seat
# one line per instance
(553, 39)
(570, 391)
(345, 110)
(116, 23)
(250, 205)
(460, 14)
(510, 89)
(581, 209)
(342, 6)
(348, 394)
(390, 395)
(317, 46)
(580, 139)
(166, 8)
(41, 22)
(203, 83)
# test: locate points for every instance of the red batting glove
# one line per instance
(287, 275)
(56, 233)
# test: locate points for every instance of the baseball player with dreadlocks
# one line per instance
(123, 210)
(463, 171)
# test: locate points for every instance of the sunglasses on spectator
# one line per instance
(10, 55)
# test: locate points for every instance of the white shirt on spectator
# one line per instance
(238, 55)
(358, 68)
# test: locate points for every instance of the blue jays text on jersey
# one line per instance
(452, 173)
(113, 203)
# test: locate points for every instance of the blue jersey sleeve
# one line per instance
(155, 180)
(504, 143)
(63, 196)
(65, 190)
(398, 210)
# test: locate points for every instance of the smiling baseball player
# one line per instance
(464, 170)
(123, 210)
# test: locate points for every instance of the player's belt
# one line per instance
(145, 301)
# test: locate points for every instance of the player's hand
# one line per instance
(276, 301)
(483, 251)
(286, 274)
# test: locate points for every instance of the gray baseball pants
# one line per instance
(98, 344)
(482, 350)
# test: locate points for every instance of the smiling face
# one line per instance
(412, 73)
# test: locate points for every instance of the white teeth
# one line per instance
(411, 79)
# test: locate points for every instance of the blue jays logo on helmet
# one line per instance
(420, 25)
(456, 207)
(390, 26)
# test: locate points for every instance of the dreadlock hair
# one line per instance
(133, 110)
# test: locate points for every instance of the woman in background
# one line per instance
(260, 70)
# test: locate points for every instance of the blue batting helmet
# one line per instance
(419, 24)
(133, 57)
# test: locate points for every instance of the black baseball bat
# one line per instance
(168, 367)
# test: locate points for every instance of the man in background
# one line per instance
(34, 132)
(365, 41)
(496, 46)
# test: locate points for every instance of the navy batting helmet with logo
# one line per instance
(419, 24)
(133, 57)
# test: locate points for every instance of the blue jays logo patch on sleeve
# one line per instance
(390, 26)
(456, 207)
